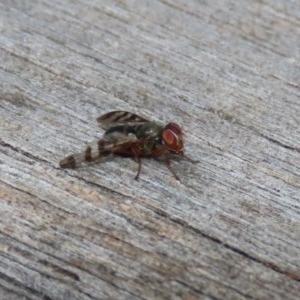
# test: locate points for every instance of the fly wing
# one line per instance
(118, 118)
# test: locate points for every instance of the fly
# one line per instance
(128, 134)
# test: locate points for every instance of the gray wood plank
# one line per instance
(228, 72)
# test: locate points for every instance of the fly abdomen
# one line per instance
(92, 152)
(68, 162)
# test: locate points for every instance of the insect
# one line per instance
(128, 134)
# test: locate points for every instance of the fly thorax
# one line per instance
(149, 131)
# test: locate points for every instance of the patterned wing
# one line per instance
(118, 118)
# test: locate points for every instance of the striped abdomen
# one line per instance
(92, 152)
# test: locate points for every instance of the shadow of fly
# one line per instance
(130, 135)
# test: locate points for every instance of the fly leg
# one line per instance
(139, 168)
(139, 161)
(168, 163)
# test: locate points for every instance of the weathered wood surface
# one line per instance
(228, 71)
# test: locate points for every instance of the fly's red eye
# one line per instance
(172, 141)
(175, 128)
(169, 138)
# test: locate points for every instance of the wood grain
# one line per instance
(228, 72)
